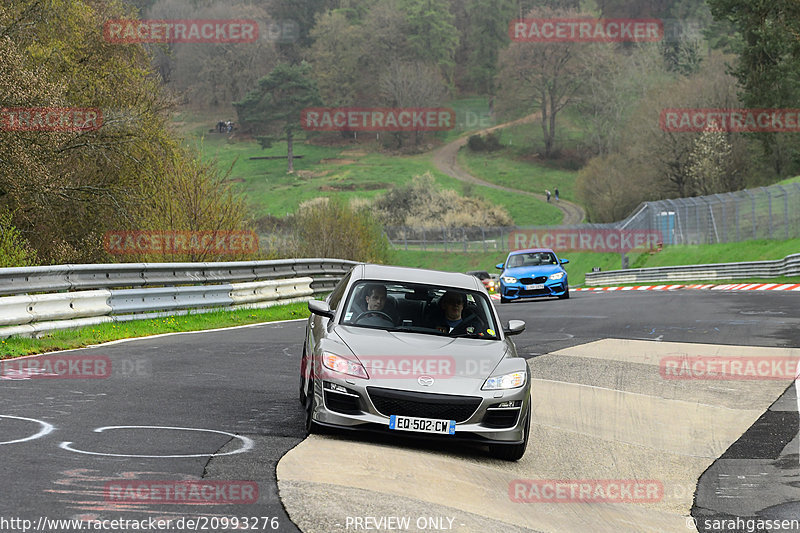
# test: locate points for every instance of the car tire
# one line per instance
(303, 362)
(564, 296)
(504, 300)
(513, 452)
(311, 426)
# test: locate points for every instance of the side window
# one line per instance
(336, 296)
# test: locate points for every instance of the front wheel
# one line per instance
(310, 404)
(564, 296)
(504, 300)
(513, 452)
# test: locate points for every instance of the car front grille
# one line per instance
(422, 404)
(537, 292)
(531, 281)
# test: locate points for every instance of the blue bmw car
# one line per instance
(531, 274)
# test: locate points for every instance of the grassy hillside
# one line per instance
(345, 171)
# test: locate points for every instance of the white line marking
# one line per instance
(46, 428)
(247, 443)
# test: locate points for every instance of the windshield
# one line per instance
(532, 259)
(396, 306)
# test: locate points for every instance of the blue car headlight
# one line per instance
(557, 275)
(509, 279)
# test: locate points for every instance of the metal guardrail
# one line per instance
(788, 266)
(82, 277)
(132, 291)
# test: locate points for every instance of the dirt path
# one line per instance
(445, 159)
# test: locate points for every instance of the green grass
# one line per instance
(718, 253)
(582, 262)
(788, 181)
(78, 338)
(342, 172)
(361, 170)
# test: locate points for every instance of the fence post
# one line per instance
(483, 238)
(424, 242)
(785, 211)
(753, 214)
(738, 220)
(769, 221)
(444, 238)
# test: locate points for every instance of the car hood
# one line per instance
(532, 271)
(398, 359)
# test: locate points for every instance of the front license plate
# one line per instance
(422, 425)
(534, 287)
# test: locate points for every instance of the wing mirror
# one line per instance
(321, 308)
(514, 327)
(499, 266)
(564, 261)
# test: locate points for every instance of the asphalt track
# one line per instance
(222, 406)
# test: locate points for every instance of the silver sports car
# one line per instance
(417, 351)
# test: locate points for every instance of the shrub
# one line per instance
(422, 204)
(15, 251)
(331, 228)
(484, 143)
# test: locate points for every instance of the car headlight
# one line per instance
(557, 275)
(507, 381)
(509, 279)
(343, 366)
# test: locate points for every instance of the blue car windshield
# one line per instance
(532, 259)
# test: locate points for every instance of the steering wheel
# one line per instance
(462, 327)
(379, 314)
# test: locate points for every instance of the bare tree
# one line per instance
(414, 84)
(542, 75)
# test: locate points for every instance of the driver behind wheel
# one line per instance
(378, 306)
(375, 295)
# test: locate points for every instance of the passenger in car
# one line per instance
(449, 316)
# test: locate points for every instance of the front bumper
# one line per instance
(517, 291)
(478, 416)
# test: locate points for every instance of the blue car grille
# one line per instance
(535, 292)
(531, 281)
(422, 404)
